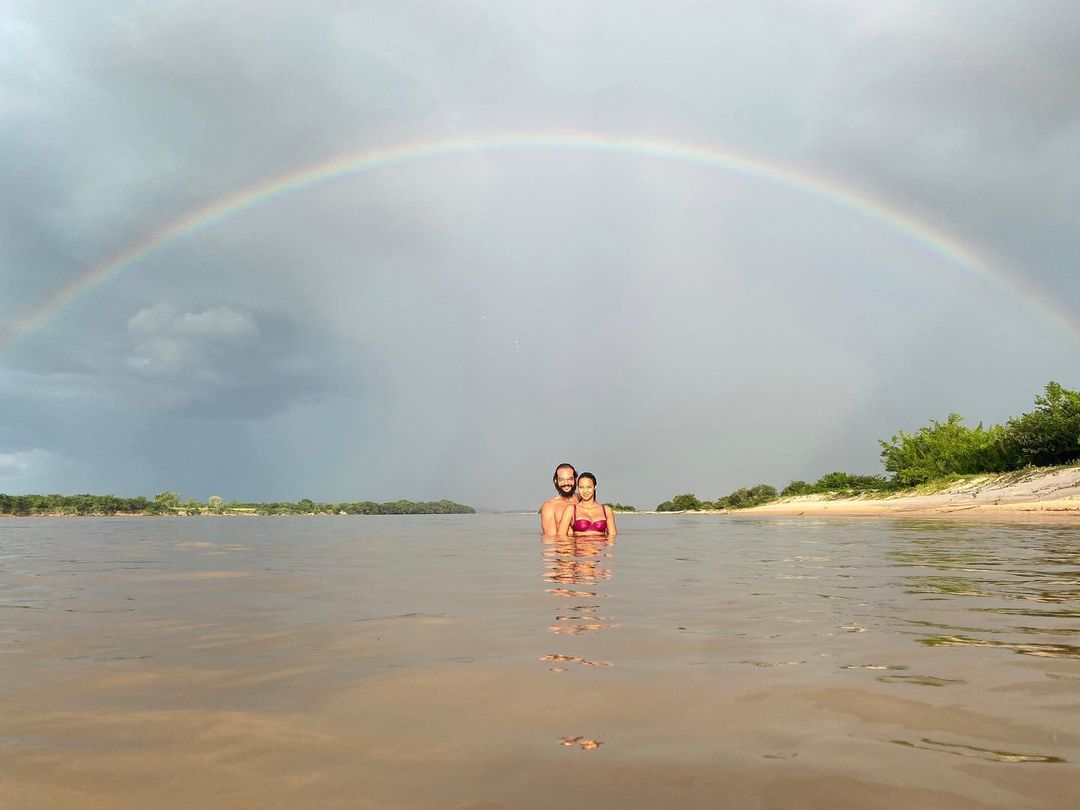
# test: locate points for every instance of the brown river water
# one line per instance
(459, 662)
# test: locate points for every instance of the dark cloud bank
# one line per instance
(455, 327)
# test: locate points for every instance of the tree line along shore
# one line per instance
(932, 457)
(935, 456)
(170, 503)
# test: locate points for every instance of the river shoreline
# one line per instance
(1036, 494)
(1026, 494)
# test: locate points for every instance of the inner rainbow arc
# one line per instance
(362, 161)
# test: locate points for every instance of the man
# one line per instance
(565, 480)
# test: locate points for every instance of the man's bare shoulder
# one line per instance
(556, 503)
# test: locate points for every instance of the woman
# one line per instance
(588, 518)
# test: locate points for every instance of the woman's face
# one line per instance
(586, 488)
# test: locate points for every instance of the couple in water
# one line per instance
(574, 511)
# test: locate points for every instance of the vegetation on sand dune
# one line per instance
(937, 452)
(841, 482)
(946, 448)
(739, 499)
(1048, 435)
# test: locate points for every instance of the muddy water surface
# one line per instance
(458, 662)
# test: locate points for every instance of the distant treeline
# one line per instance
(306, 507)
(170, 503)
(1047, 436)
(72, 504)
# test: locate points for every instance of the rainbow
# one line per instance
(368, 160)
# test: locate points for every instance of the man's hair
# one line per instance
(555, 475)
(555, 478)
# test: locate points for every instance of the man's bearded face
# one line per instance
(565, 482)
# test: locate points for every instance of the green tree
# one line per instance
(687, 501)
(745, 497)
(842, 481)
(946, 448)
(164, 503)
(796, 488)
(1050, 434)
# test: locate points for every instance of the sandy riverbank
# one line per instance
(1033, 494)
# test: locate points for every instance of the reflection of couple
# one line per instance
(574, 510)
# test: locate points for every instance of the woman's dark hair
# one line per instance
(588, 475)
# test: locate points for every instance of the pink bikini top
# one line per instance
(585, 525)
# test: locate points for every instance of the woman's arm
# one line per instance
(612, 530)
(565, 521)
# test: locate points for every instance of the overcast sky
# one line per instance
(454, 327)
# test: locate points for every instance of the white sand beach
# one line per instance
(1035, 494)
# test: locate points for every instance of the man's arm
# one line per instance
(548, 526)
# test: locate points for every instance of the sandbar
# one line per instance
(1038, 494)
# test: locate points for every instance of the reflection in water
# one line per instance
(984, 572)
(920, 680)
(583, 742)
(576, 561)
(585, 662)
(1040, 650)
(874, 666)
(572, 562)
(769, 662)
(575, 567)
(979, 753)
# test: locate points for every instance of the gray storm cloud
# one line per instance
(454, 327)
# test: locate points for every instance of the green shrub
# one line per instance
(946, 448)
(796, 488)
(684, 502)
(834, 481)
(745, 497)
(1051, 433)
